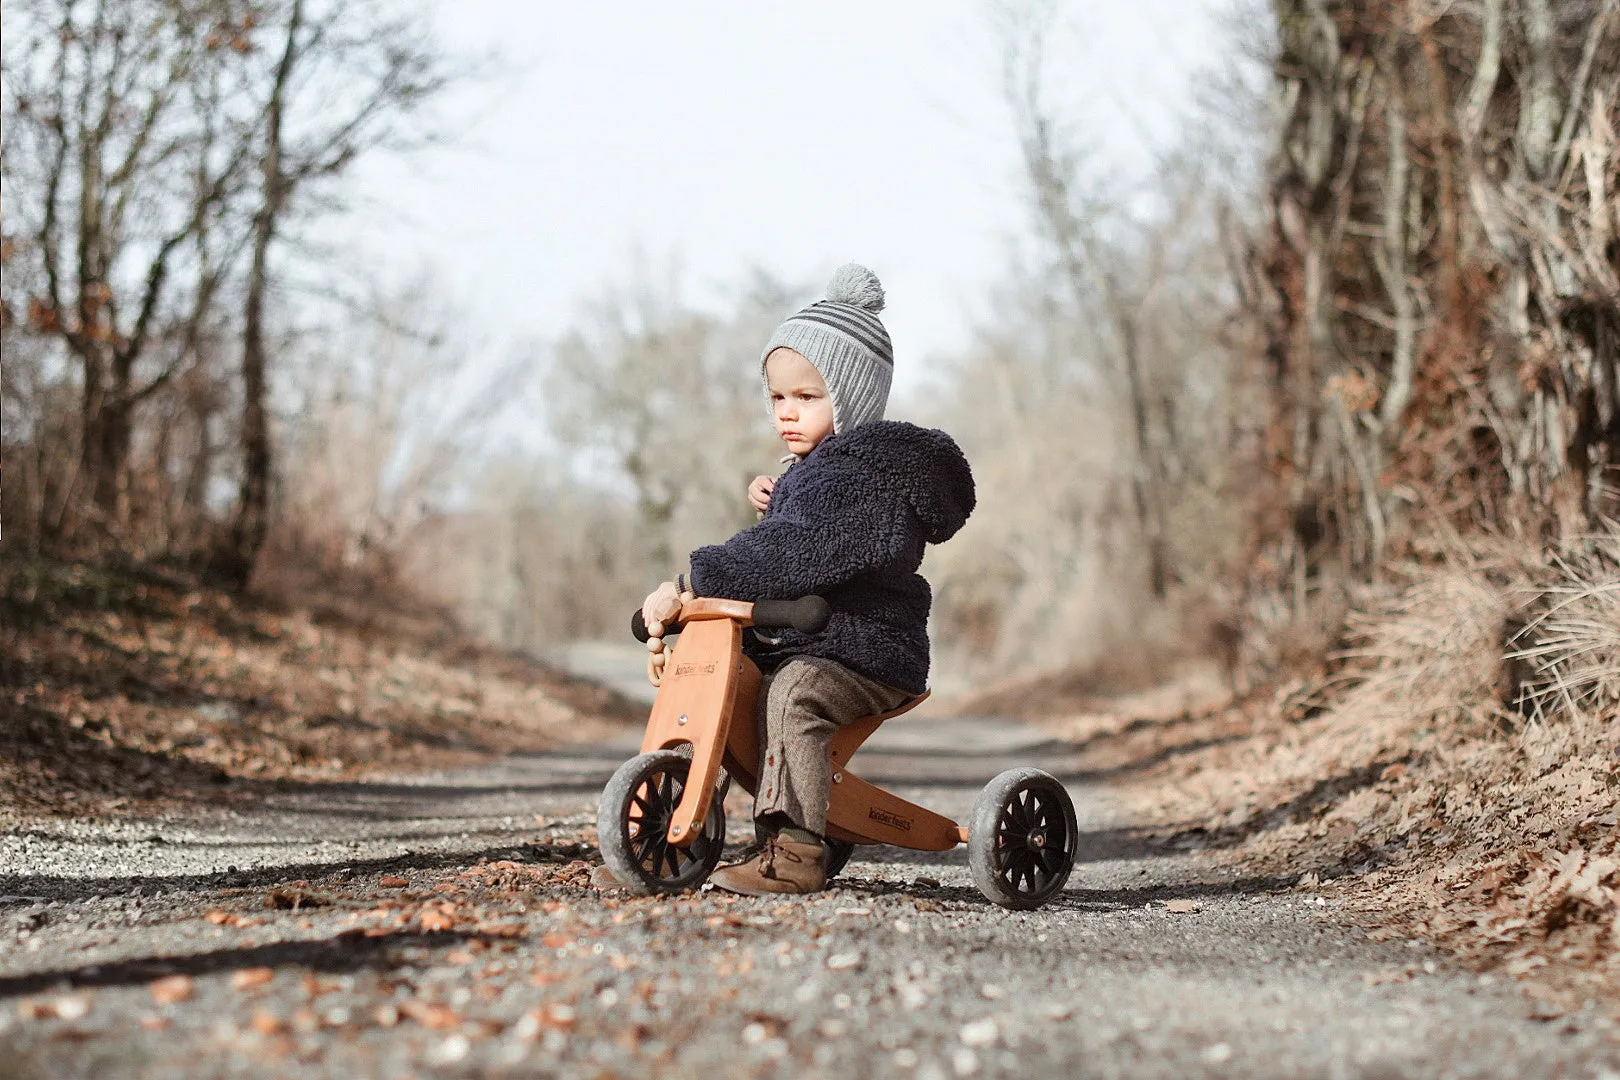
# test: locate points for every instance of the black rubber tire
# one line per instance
(649, 863)
(1021, 839)
(838, 853)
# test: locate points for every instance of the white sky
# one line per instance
(733, 135)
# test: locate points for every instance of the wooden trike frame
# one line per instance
(707, 700)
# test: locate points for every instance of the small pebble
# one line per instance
(980, 1033)
(453, 1049)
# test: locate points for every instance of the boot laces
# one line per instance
(773, 849)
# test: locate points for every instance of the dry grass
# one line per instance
(1456, 775)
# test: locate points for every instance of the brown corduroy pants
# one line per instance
(801, 705)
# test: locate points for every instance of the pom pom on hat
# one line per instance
(854, 284)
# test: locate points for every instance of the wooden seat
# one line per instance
(850, 737)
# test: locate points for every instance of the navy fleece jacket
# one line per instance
(849, 523)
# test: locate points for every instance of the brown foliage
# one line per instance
(137, 685)
(1436, 286)
(1454, 774)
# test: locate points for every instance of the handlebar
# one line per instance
(807, 614)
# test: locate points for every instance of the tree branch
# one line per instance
(1485, 73)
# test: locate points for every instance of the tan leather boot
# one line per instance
(783, 867)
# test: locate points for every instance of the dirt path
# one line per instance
(345, 931)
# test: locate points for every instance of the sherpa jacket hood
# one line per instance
(923, 465)
(849, 523)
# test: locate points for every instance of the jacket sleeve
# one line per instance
(839, 527)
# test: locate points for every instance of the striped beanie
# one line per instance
(845, 340)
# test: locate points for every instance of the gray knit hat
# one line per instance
(845, 340)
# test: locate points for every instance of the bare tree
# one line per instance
(1128, 276)
(122, 159)
(667, 400)
(348, 78)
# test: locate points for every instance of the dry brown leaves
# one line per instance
(252, 978)
(172, 989)
(1456, 778)
(232, 691)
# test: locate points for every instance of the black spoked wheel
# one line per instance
(632, 826)
(838, 853)
(1021, 839)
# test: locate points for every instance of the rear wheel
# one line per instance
(838, 853)
(1021, 839)
(632, 826)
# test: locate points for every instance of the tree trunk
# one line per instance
(252, 522)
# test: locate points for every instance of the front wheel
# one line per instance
(632, 826)
(1021, 839)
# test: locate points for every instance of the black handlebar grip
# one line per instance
(807, 614)
(638, 627)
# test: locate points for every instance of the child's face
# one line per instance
(799, 398)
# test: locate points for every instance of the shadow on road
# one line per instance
(82, 888)
(343, 954)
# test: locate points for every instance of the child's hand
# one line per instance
(759, 492)
(662, 605)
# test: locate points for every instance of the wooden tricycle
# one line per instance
(661, 819)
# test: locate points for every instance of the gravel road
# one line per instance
(444, 925)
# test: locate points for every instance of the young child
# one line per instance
(847, 521)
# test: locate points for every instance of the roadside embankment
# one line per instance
(134, 689)
(1453, 775)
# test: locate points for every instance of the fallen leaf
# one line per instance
(559, 1015)
(172, 989)
(248, 978)
(266, 1022)
(218, 917)
(436, 919)
(1182, 907)
(430, 1015)
(500, 930)
(394, 881)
